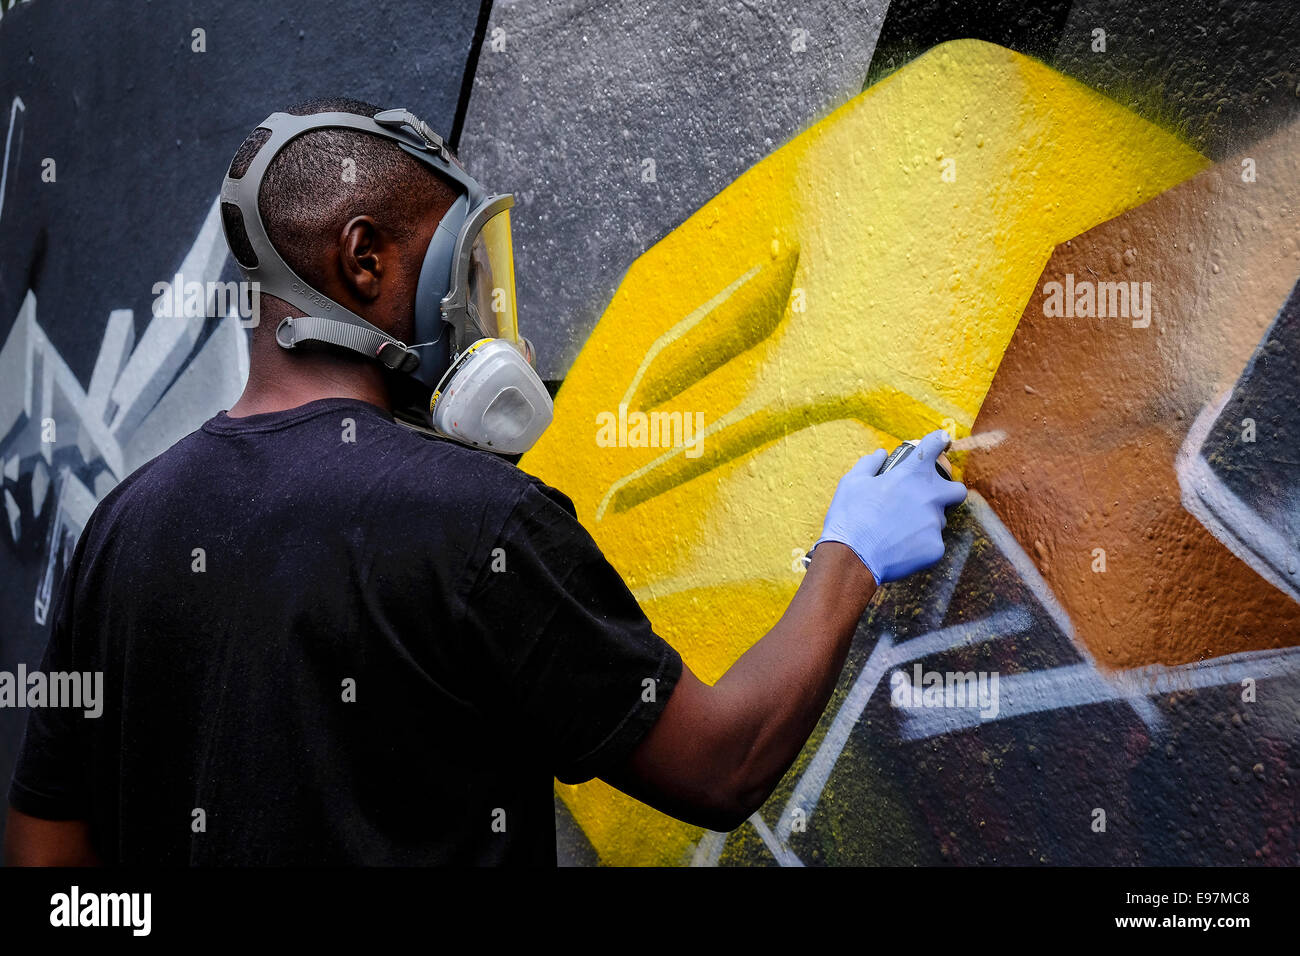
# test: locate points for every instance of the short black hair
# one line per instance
(305, 198)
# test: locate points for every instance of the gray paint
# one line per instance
(584, 92)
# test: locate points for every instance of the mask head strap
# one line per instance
(325, 320)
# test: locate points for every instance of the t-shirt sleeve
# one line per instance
(574, 661)
(51, 776)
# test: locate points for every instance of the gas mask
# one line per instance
(471, 370)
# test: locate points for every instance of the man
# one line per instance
(330, 637)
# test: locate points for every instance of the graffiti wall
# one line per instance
(116, 135)
(1048, 230)
(753, 244)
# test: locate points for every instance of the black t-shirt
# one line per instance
(326, 638)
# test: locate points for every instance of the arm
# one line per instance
(716, 753)
(31, 841)
(49, 779)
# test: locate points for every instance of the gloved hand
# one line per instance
(893, 522)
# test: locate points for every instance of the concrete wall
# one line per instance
(116, 132)
(1124, 562)
(814, 232)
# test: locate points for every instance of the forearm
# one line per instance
(777, 690)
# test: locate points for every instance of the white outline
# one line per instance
(17, 105)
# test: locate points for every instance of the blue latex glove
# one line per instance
(894, 522)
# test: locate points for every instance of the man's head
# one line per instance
(351, 213)
(337, 214)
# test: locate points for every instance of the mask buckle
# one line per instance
(398, 118)
(397, 357)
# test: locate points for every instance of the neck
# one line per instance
(280, 379)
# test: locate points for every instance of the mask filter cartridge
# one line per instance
(492, 399)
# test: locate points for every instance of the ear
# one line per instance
(361, 257)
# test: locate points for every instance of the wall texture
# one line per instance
(815, 231)
(140, 127)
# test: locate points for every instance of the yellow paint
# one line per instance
(911, 287)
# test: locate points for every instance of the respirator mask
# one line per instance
(469, 369)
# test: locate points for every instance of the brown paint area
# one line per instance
(1095, 412)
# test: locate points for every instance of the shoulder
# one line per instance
(449, 478)
(141, 484)
(420, 465)
(425, 465)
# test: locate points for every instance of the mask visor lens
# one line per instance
(492, 281)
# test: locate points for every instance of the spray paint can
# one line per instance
(941, 464)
